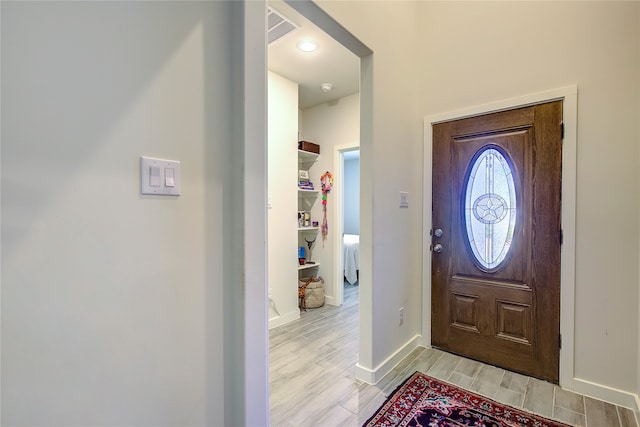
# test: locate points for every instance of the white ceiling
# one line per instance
(331, 63)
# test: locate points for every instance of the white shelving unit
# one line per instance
(308, 266)
(307, 158)
(306, 200)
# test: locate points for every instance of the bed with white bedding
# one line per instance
(351, 253)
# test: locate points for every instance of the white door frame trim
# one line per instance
(569, 96)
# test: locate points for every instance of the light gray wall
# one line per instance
(112, 302)
(352, 196)
(246, 339)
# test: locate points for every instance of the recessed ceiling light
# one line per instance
(307, 45)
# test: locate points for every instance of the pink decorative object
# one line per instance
(327, 181)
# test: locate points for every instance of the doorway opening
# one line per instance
(319, 120)
(347, 246)
(322, 20)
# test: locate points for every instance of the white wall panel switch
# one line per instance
(404, 199)
(159, 176)
(154, 176)
(169, 177)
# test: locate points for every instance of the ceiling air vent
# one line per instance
(279, 26)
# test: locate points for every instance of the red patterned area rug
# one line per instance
(425, 401)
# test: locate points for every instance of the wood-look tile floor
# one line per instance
(312, 377)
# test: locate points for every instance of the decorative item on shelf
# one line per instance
(314, 223)
(303, 180)
(327, 182)
(305, 185)
(304, 219)
(301, 256)
(309, 245)
(309, 146)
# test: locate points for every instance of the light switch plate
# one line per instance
(149, 182)
(404, 199)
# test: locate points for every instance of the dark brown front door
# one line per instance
(496, 238)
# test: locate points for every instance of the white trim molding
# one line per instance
(372, 376)
(606, 393)
(569, 96)
(284, 319)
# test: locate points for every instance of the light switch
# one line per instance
(159, 177)
(404, 199)
(169, 177)
(154, 176)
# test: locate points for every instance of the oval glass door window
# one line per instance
(490, 207)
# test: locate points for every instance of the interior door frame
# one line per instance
(338, 166)
(569, 96)
(310, 10)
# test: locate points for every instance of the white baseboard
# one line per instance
(424, 341)
(330, 300)
(372, 376)
(608, 394)
(598, 391)
(285, 318)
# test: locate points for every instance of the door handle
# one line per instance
(437, 248)
(438, 232)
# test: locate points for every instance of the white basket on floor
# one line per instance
(313, 292)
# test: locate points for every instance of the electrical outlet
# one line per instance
(401, 316)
